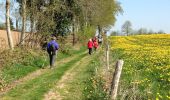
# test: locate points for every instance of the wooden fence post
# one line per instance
(115, 80)
(107, 56)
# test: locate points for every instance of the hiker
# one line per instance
(95, 43)
(94, 39)
(52, 48)
(100, 39)
(90, 46)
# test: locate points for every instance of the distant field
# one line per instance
(3, 37)
(146, 72)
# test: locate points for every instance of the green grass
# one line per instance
(30, 63)
(94, 83)
(81, 87)
(35, 89)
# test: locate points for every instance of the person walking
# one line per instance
(100, 39)
(52, 48)
(90, 46)
(95, 43)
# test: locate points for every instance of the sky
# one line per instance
(2, 10)
(149, 14)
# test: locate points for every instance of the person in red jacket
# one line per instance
(90, 46)
(95, 44)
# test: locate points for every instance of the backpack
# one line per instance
(100, 38)
(52, 48)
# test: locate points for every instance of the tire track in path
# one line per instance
(54, 94)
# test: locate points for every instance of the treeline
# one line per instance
(60, 17)
(128, 30)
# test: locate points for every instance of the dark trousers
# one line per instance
(52, 59)
(90, 51)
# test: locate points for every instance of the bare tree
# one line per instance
(161, 32)
(11, 44)
(16, 15)
(142, 31)
(23, 21)
(126, 27)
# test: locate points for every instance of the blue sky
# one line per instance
(1, 13)
(2, 9)
(150, 14)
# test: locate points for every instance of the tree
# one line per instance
(11, 24)
(151, 31)
(161, 32)
(114, 33)
(10, 41)
(59, 17)
(142, 31)
(126, 28)
(99, 13)
(16, 15)
(23, 21)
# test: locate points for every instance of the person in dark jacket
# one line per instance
(52, 48)
(90, 46)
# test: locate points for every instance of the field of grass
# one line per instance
(146, 71)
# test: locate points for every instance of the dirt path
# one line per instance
(33, 75)
(54, 94)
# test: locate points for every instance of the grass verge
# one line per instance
(87, 84)
(35, 89)
(94, 84)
